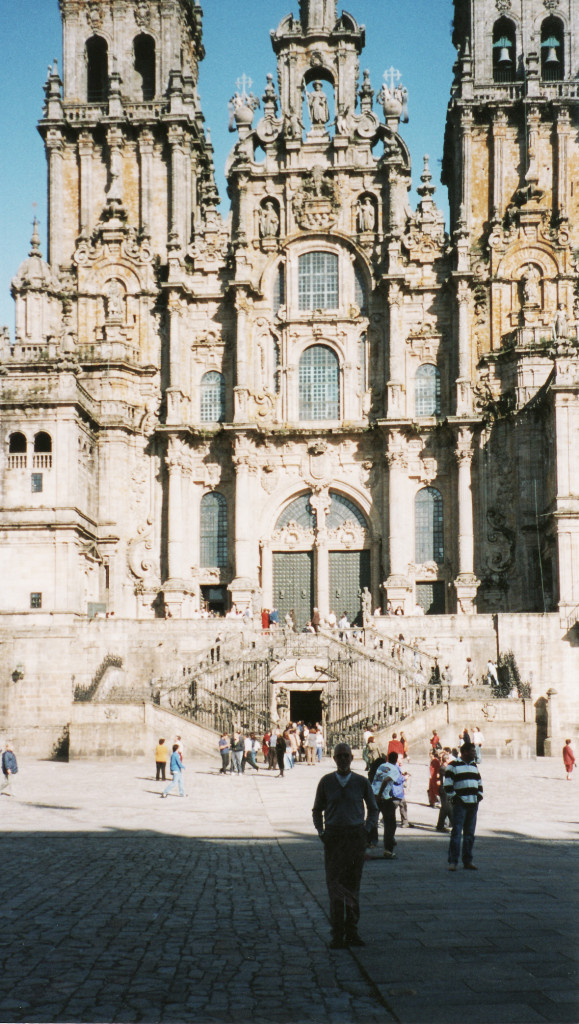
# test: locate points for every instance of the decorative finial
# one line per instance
(35, 240)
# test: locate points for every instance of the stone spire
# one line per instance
(318, 15)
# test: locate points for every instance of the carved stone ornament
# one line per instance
(269, 478)
(503, 6)
(551, 5)
(143, 14)
(293, 536)
(317, 203)
(425, 572)
(95, 15)
(140, 561)
(348, 535)
(318, 466)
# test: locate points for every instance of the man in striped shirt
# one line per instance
(463, 787)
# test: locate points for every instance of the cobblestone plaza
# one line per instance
(118, 906)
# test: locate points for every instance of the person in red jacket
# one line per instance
(568, 760)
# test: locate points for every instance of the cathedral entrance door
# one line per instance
(349, 574)
(293, 584)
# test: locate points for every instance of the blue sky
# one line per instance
(411, 35)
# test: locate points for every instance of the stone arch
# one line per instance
(144, 64)
(97, 69)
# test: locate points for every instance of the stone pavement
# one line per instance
(119, 906)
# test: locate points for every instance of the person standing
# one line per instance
(445, 804)
(9, 769)
(280, 752)
(464, 789)
(176, 767)
(568, 760)
(237, 748)
(478, 740)
(161, 758)
(433, 791)
(316, 620)
(319, 743)
(271, 752)
(311, 743)
(224, 751)
(387, 776)
(344, 627)
(395, 746)
(344, 813)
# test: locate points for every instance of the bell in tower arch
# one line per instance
(318, 15)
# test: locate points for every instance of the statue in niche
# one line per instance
(560, 327)
(366, 215)
(342, 122)
(318, 106)
(115, 301)
(531, 287)
(269, 220)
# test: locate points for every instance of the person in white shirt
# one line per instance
(344, 627)
(250, 748)
(319, 743)
(331, 620)
(478, 740)
(311, 742)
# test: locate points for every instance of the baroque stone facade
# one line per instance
(329, 392)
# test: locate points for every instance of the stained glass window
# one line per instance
(427, 390)
(342, 510)
(298, 511)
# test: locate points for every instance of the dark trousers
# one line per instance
(344, 851)
(445, 810)
(280, 760)
(463, 825)
(161, 765)
(224, 761)
(403, 807)
(388, 809)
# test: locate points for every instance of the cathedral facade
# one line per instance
(328, 392)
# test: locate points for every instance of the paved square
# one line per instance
(119, 906)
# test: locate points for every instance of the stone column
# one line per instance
(174, 391)
(266, 574)
(85, 156)
(245, 582)
(561, 183)
(176, 231)
(396, 368)
(146, 150)
(174, 465)
(242, 306)
(466, 583)
(55, 147)
(397, 585)
(499, 125)
(463, 389)
(115, 142)
(321, 505)
(466, 160)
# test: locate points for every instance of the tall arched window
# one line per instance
(552, 50)
(360, 297)
(319, 384)
(144, 59)
(342, 510)
(213, 531)
(428, 526)
(318, 280)
(212, 397)
(504, 50)
(17, 446)
(278, 297)
(97, 70)
(298, 511)
(427, 390)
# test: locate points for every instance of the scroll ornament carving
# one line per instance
(318, 466)
(427, 571)
(396, 458)
(503, 6)
(95, 15)
(140, 560)
(348, 535)
(143, 14)
(317, 203)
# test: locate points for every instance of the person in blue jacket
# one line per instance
(9, 768)
(177, 768)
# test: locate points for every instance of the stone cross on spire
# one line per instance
(318, 15)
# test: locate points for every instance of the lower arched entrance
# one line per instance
(306, 706)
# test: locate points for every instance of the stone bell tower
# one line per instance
(511, 164)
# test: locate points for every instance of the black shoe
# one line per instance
(355, 940)
(337, 944)
(470, 866)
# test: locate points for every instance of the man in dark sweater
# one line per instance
(343, 824)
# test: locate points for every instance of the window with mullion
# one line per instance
(318, 280)
(429, 526)
(319, 384)
(213, 532)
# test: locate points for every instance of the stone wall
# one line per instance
(133, 730)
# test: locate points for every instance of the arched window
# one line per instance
(342, 510)
(428, 526)
(360, 297)
(17, 446)
(298, 511)
(318, 280)
(212, 397)
(213, 532)
(427, 391)
(504, 51)
(97, 70)
(42, 458)
(552, 50)
(319, 384)
(144, 58)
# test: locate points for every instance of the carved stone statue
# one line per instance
(532, 287)
(318, 106)
(115, 301)
(342, 123)
(269, 220)
(560, 328)
(366, 605)
(366, 215)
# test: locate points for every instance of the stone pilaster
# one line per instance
(396, 391)
(499, 130)
(397, 585)
(146, 151)
(463, 383)
(561, 165)
(466, 583)
(85, 158)
(245, 583)
(55, 147)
